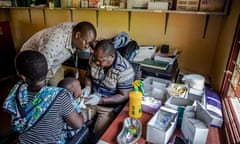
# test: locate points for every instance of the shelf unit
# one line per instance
(129, 11)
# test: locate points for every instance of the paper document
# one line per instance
(145, 52)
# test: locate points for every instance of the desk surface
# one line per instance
(110, 135)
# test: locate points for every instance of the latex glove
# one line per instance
(86, 91)
(81, 104)
(92, 100)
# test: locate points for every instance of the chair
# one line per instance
(81, 136)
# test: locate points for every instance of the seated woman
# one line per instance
(39, 111)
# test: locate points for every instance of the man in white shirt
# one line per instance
(58, 43)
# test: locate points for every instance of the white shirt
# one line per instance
(55, 43)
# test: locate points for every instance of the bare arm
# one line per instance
(118, 98)
(74, 119)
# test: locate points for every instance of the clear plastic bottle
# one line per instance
(135, 103)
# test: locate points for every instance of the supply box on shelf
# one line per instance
(162, 125)
(139, 4)
(158, 4)
(212, 5)
(191, 5)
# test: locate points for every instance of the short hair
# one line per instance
(85, 28)
(32, 64)
(106, 46)
(67, 83)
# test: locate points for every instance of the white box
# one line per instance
(192, 5)
(156, 87)
(175, 102)
(159, 133)
(158, 5)
(195, 124)
(178, 90)
(214, 107)
(195, 94)
(156, 82)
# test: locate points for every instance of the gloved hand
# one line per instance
(92, 99)
(86, 91)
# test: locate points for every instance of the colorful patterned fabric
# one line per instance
(25, 115)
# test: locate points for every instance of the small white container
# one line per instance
(195, 81)
(156, 131)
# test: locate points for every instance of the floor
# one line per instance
(5, 124)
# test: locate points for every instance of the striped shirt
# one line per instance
(118, 77)
(50, 128)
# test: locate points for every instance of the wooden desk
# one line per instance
(110, 135)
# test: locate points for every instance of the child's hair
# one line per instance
(68, 83)
(32, 64)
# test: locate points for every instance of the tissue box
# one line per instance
(195, 124)
(151, 105)
(162, 125)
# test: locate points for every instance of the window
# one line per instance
(230, 92)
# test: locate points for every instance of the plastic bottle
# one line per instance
(135, 103)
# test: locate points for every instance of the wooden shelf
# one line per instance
(128, 10)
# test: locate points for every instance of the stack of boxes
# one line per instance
(201, 5)
(194, 110)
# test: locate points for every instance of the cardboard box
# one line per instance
(177, 90)
(212, 5)
(214, 107)
(195, 124)
(192, 5)
(158, 5)
(156, 82)
(156, 87)
(162, 125)
(139, 4)
(178, 104)
(195, 94)
(175, 102)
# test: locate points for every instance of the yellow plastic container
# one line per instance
(135, 103)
